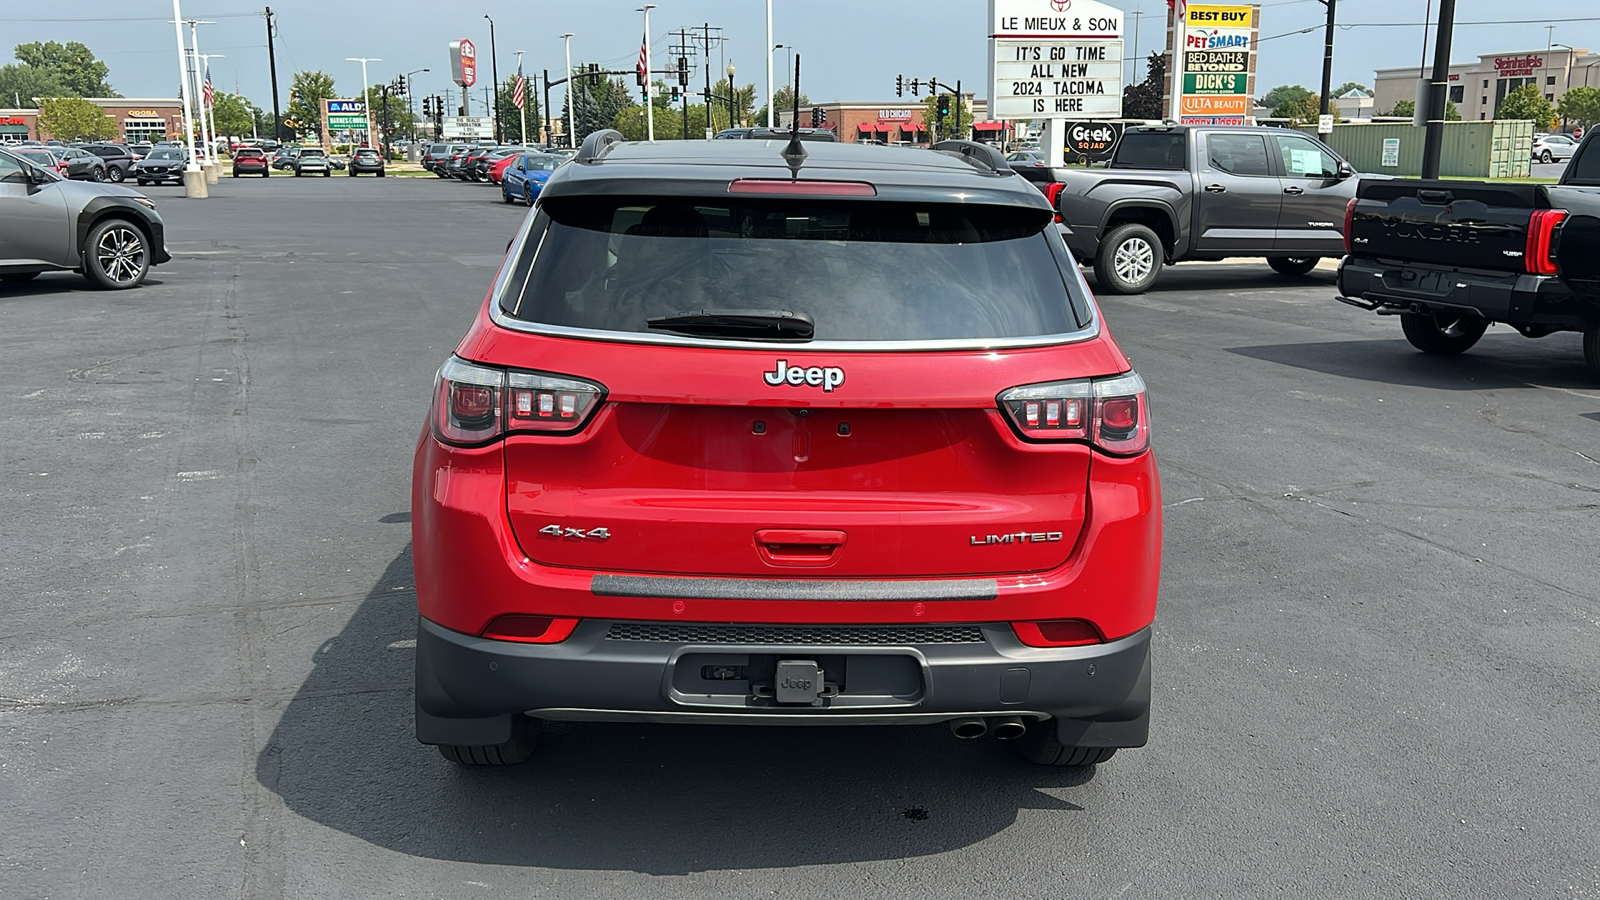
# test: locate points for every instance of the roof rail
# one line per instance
(980, 156)
(597, 145)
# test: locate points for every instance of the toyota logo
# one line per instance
(1060, 5)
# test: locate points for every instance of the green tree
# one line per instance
(306, 92)
(783, 102)
(1287, 101)
(234, 115)
(1581, 106)
(511, 117)
(74, 118)
(669, 123)
(1349, 86)
(1527, 103)
(23, 84)
(744, 106)
(930, 114)
(72, 64)
(1143, 100)
(1408, 108)
(400, 117)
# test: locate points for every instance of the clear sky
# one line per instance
(852, 48)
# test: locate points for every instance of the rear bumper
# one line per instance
(468, 689)
(1513, 298)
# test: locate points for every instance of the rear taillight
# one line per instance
(1113, 413)
(1058, 633)
(475, 404)
(530, 629)
(1349, 220)
(1051, 192)
(1538, 257)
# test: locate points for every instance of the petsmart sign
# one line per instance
(1055, 59)
(1219, 64)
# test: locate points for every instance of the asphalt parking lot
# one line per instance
(1377, 662)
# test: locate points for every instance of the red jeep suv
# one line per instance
(820, 434)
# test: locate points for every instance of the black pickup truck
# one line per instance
(1451, 257)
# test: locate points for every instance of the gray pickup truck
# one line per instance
(1187, 192)
(1452, 257)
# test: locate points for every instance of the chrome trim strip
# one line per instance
(799, 590)
(776, 716)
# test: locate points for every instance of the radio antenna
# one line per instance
(795, 153)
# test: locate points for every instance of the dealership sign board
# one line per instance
(463, 63)
(1054, 59)
(1219, 64)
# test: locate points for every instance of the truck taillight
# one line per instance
(475, 404)
(1113, 413)
(1052, 192)
(1538, 257)
(1349, 220)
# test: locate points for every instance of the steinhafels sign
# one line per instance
(1516, 66)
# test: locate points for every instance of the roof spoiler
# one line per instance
(980, 156)
(597, 145)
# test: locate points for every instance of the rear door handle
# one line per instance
(1294, 190)
(1215, 189)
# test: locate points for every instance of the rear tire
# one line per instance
(1547, 157)
(326, 172)
(1292, 265)
(1443, 334)
(1041, 746)
(524, 736)
(1129, 259)
(1591, 350)
(117, 175)
(380, 173)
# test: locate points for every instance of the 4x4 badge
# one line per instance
(815, 376)
(593, 534)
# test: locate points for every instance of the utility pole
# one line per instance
(770, 102)
(272, 67)
(572, 107)
(1327, 65)
(705, 31)
(682, 51)
(549, 131)
(1433, 143)
(494, 72)
(1134, 76)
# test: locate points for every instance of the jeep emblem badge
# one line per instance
(826, 378)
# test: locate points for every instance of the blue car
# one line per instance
(524, 178)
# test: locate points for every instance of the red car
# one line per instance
(829, 436)
(251, 161)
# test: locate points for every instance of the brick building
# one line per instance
(892, 122)
(1478, 87)
(137, 119)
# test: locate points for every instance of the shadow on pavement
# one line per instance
(652, 799)
(1498, 362)
(1238, 275)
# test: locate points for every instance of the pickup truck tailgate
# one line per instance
(1471, 225)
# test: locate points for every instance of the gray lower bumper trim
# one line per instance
(776, 589)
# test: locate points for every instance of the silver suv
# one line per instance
(110, 233)
(312, 160)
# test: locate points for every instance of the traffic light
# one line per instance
(594, 74)
(683, 70)
(677, 94)
(818, 117)
(899, 85)
(944, 105)
(915, 86)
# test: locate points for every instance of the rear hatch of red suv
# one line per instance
(834, 381)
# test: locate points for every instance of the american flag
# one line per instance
(644, 61)
(518, 97)
(206, 90)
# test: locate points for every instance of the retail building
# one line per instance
(137, 119)
(894, 122)
(1477, 87)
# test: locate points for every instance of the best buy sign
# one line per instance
(1215, 83)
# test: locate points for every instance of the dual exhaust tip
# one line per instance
(1003, 728)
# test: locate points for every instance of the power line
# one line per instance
(1311, 28)
(249, 15)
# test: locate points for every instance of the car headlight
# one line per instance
(145, 201)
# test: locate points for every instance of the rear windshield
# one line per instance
(311, 153)
(1149, 150)
(862, 270)
(1585, 169)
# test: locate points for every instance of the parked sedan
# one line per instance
(489, 166)
(366, 159)
(525, 178)
(251, 161)
(312, 161)
(159, 165)
(1550, 148)
(42, 156)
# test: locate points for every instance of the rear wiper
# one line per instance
(744, 324)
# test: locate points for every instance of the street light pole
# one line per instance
(649, 105)
(194, 183)
(366, 95)
(208, 112)
(494, 72)
(770, 102)
(194, 48)
(733, 96)
(411, 106)
(572, 129)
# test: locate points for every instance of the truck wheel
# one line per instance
(1292, 265)
(524, 734)
(1591, 350)
(1128, 260)
(1445, 334)
(1040, 745)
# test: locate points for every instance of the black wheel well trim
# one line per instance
(1144, 212)
(102, 208)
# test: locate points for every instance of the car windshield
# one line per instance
(164, 154)
(872, 270)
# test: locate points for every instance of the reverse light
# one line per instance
(1538, 256)
(1111, 413)
(475, 404)
(526, 629)
(1058, 633)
